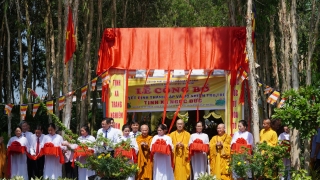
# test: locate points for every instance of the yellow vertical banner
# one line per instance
(116, 104)
(232, 126)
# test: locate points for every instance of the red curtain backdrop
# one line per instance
(174, 48)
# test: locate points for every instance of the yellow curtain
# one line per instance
(216, 114)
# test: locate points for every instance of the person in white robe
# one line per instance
(25, 132)
(285, 136)
(19, 161)
(52, 166)
(162, 169)
(38, 140)
(84, 173)
(242, 133)
(68, 151)
(133, 143)
(199, 160)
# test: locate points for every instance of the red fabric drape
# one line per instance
(181, 101)
(81, 151)
(240, 144)
(174, 48)
(130, 154)
(48, 149)
(166, 97)
(51, 150)
(160, 146)
(14, 148)
(198, 146)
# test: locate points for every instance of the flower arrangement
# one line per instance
(207, 176)
(239, 165)
(267, 161)
(107, 167)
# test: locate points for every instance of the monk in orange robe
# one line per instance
(2, 158)
(220, 154)
(144, 161)
(267, 134)
(180, 140)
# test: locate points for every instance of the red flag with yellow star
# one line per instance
(70, 38)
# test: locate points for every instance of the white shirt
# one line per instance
(55, 139)
(245, 135)
(202, 136)
(134, 135)
(86, 139)
(164, 137)
(34, 138)
(22, 140)
(68, 155)
(133, 142)
(284, 136)
(28, 135)
(112, 135)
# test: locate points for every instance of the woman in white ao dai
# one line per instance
(52, 165)
(19, 161)
(84, 173)
(199, 160)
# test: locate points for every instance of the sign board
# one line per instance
(149, 96)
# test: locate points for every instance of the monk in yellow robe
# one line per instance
(144, 161)
(3, 160)
(220, 154)
(267, 134)
(180, 140)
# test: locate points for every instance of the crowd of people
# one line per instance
(178, 155)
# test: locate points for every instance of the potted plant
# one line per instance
(267, 161)
(206, 176)
(239, 165)
(106, 166)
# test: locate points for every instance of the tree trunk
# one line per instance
(29, 43)
(114, 14)
(283, 41)
(87, 68)
(272, 46)
(252, 74)
(56, 69)
(20, 52)
(49, 53)
(313, 37)
(88, 58)
(294, 136)
(94, 93)
(9, 71)
(2, 63)
(124, 19)
(232, 15)
(239, 5)
(267, 68)
(66, 74)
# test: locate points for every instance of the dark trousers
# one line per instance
(70, 171)
(36, 167)
(29, 167)
(317, 166)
